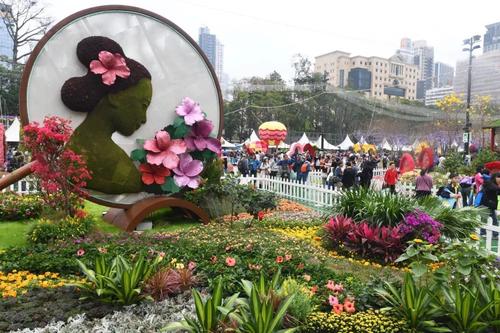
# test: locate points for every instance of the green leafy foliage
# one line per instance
(454, 162)
(170, 186)
(48, 230)
(301, 305)
(138, 155)
(117, 280)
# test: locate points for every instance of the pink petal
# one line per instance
(177, 146)
(122, 71)
(109, 77)
(162, 139)
(213, 145)
(181, 181)
(97, 67)
(107, 59)
(193, 117)
(170, 160)
(203, 128)
(193, 168)
(181, 110)
(185, 160)
(151, 146)
(147, 178)
(156, 158)
(200, 143)
(194, 183)
(190, 143)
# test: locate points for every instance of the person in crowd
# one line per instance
(348, 176)
(491, 190)
(273, 166)
(303, 171)
(265, 167)
(367, 171)
(423, 184)
(478, 179)
(466, 184)
(253, 165)
(385, 161)
(451, 193)
(243, 166)
(284, 167)
(391, 177)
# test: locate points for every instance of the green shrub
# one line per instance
(370, 321)
(15, 207)
(117, 280)
(301, 305)
(46, 231)
(454, 162)
(483, 157)
(377, 208)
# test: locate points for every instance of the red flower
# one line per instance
(80, 252)
(314, 289)
(153, 174)
(230, 261)
(260, 215)
(337, 308)
(349, 306)
(279, 259)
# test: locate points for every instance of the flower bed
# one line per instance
(15, 207)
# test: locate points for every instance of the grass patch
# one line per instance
(14, 233)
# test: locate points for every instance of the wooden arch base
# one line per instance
(128, 219)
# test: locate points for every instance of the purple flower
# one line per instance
(422, 225)
(188, 171)
(190, 110)
(199, 138)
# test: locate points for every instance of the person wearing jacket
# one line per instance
(423, 184)
(451, 193)
(391, 177)
(349, 176)
(491, 189)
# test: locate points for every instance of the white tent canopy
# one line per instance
(346, 144)
(454, 144)
(12, 133)
(326, 145)
(226, 144)
(362, 140)
(283, 145)
(304, 139)
(385, 145)
(253, 138)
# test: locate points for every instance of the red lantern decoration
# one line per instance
(425, 159)
(406, 163)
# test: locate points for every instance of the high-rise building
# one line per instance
(485, 76)
(405, 51)
(491, 40)
(213, 48)
(432, 96)
(424, 59)
(443, 75)
(6, 42)
(376, 77)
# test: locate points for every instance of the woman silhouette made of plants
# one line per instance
(115, 93)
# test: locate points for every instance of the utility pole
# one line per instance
(470, 44)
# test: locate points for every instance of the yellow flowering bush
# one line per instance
(371, 321)
(15, 283)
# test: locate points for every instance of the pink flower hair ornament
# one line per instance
(199, 138)
(110, 66)
(188, 172)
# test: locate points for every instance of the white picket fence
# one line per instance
(319, 197)
(23, 186)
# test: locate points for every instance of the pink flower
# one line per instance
(190, 110)
(288, 257)
(110, 66)
(230, 261)
(153, 174)
(307, 277)
(279, 259)
(80, 252)
(188, 171)
(199, 138)
(163, 150)
(337, 308)
(191, 265)
(338, 288)
(330, 284)
(332, 300)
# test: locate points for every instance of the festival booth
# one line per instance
(346, 144)
(226, 144)
(143, 100)
(385, 145)
(321, 143)
(304, 139)
(12, 133)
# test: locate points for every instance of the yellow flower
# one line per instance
(417, 240)
(474, 237)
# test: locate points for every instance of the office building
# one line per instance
(485, 76)
(443, 75)
(375, 77)
(491, 40)
(213, 49)
(432, 96)
(405, 51)
(6, 42)
(424, 59)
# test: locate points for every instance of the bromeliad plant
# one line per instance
(176, 157)
(117, 280)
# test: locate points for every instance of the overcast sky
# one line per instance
(263, 35)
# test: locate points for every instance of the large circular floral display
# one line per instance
(143, 100)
